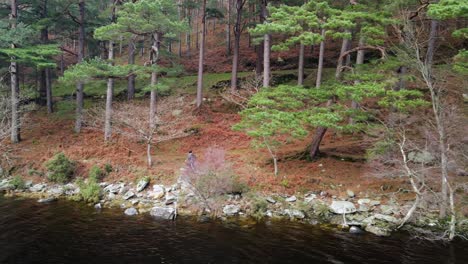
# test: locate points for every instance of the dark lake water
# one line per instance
(65, 232)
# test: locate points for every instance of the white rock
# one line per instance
(310, 198)
(231, 209)
(364, 201)
(291, 199)
(270, 200)
(131, 211)
(342, 207)
(47, 200)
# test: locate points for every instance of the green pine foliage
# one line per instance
(60, 168)
(451, 9)
(276, 116)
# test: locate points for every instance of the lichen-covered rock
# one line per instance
(271, 200)
(56, 191)
(294, 214)
(158, 192)
(141, 185)
(128, 195)
(231, 209)
(387, 218)
(114, 188)
(342, 207)
(170, 199)
(378, 231)
(38, 187)
(5, 185)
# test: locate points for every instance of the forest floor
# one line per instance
(342, 166)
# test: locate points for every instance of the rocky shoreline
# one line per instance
(167, 202)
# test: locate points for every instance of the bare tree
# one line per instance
(130, 120)
(413, 53)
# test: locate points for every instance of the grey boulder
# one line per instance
(231, 209)
(131, 211)
(166, 213)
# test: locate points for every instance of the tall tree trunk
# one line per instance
(228, 28)
(429, 60)
(109, 97)
(42, 100)
(300, 71)
(237, 35)
(62, 64)
(401, 78)
(261, 46)
(15, 117)
(179, 10)
(131, 61)
(188, 40)
(339, 65)
(154, 79)
(201, 58)
(320, 63)
(431, 44)
(266, 60)
(80, 85)
(359, 61)
(50, 104)
(314, 150)
(266, 47)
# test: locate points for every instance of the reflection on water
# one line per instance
(66, 232)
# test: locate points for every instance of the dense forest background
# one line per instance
(295, 95)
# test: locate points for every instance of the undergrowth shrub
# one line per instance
(18, 182)
(89, 190)
(60, 168)
(259, 208)
(96, 173)
(211, 178)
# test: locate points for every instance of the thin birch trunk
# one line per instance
(109, 97)
(201, 58)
